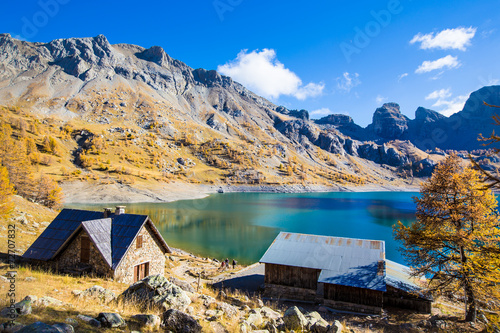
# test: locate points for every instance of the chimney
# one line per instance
(120, 210)
(107, 212)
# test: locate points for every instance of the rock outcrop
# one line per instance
(177, 321)
(389, 123)
(156, 291)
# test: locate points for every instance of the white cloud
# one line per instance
(348, 81)
(439, 94)
(444, 101)
(402, 76)
(320, 113)
(457, 39)
(380, 99)
(261, 72)
(428, 66)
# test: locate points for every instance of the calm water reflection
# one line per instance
(243, 225)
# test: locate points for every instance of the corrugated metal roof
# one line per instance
(398, 276)
(344, 261)
(100, 233)
(56, 233)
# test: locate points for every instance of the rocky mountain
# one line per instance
(195, 119)
(430, 129)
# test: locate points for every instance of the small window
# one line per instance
(139, 242)
(85, 250)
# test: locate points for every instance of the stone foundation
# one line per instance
(276, 291)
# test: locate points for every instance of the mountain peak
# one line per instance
(155, 54)
(427, 115)
(389, 122)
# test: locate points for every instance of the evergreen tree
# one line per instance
(455, 240)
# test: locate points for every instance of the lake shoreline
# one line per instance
(80, 192)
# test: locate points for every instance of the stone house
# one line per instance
(125, 247)
(343, 273)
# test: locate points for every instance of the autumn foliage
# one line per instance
(455, 240)
(18, 155)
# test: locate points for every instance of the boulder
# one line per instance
(40, 327)
(32, 298)
(11, 326)
(90, 320)
(336, 327)
(19, 309)
(157, 291)
(180, 322)
(99, 293)
(313, 318)
(229, 310)
(64, 328)
(294, 319)
(319, 327)
(269, 313)
(254, 318)
(207, 300)
(111, 320)
(49, 301)
(186, 286)
(148, 320)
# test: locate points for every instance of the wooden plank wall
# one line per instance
(298, 277)
(403, 300)
(354, 295)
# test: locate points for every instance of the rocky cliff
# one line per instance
(149, 94)
(430, 129)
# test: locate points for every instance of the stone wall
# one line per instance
(151, 252)
(346, 306)
(69, 258)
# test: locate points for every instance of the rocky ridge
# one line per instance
(99, 83)
(79, 78)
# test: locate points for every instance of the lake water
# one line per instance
(243, 225)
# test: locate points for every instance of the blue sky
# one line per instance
(326, 57)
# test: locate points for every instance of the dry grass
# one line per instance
(60, 287)
(25, 233)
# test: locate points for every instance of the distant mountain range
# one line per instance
(96, 82)
(429, 129)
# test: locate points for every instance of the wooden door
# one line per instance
(141, 271)
(85, 250)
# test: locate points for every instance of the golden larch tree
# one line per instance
(6, 190)
(455, 239)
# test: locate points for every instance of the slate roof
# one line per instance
(99, 232)
(58, 232)
(343, 261)
(112, 236)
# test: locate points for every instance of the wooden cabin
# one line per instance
(343, 273)
(126, 247)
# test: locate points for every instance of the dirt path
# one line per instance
(249, 279)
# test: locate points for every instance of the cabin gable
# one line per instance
(149, 254)
(71, 257)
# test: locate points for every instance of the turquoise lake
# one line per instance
(243, 225)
